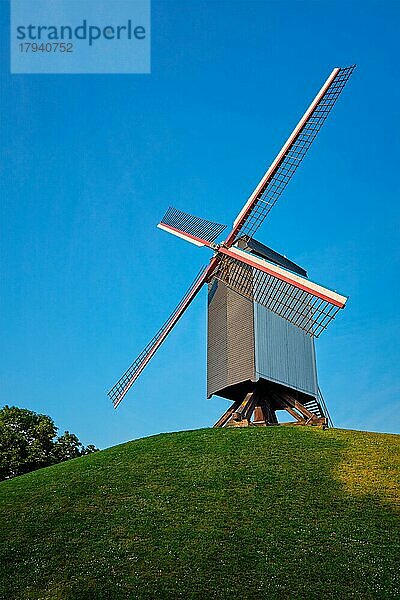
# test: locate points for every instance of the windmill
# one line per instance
(263, 311)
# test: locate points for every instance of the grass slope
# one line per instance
(234, 513)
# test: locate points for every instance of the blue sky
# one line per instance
(90, 163)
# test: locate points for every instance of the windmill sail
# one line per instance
(119, 390)
(193, 229)
(307, 305)
(286, 163)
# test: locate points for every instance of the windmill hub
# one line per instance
(263, 311)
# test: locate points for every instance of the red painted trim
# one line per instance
(189, 235)
(212, 266)
(286, 278)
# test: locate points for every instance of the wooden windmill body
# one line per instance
(263, 311)
(259, 360)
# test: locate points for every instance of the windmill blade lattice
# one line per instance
(308, 312)
(272, 185)
(119, 390)
(194, 226)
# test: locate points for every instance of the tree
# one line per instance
(28, 442)
(68, 446)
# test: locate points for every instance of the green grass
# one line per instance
(277, 513)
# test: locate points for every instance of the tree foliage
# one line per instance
(29, 441)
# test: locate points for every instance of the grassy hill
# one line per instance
(277, 513)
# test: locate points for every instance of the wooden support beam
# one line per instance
(294, 414)
(242, 408)
(249, 408)
(242, 415)
(227, 415)
(294, 403)
(268, 411)
(293, 407)
(258, 416)
(304, 411)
